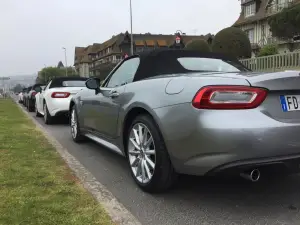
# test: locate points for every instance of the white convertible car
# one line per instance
(53, 100)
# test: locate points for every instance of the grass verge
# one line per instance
(36, 186)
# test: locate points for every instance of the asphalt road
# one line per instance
(195, 200)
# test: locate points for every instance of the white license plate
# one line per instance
(290, 102)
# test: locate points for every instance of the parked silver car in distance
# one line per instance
(173, 112)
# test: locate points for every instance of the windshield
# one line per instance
(210, 65)
(73, 83)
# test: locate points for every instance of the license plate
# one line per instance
(290, 102)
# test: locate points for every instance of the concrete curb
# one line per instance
(118, 213)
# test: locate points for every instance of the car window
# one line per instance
(73, 83)
(209, 64)
(124, 74)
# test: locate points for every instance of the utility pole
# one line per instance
(131, 27)
(66, 61)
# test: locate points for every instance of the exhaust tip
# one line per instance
(252, 175)
(255, 175)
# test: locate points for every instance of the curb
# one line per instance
(118, 213)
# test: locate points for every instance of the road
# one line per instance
(196, 200)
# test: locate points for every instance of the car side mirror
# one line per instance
(38, 89)
(94, 84)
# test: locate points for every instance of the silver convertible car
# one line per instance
(173, 112)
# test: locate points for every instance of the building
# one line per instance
(60, 65)
(254, 21)
(99, 59)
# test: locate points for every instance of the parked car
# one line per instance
(54, 99)
(20, 95)
(39, 91)
(25, 96)
(176, 112)
(30, 97)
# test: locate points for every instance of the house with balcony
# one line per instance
(81, 60)
(254, 21)
(99, 59)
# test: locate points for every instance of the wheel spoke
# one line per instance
(136, 145)
(133, 152)
(150, 152)
(149, 161)
(135, 162)
(147, 169)
(143, 170)
(148, 142)
(139, 168)
(136, 136)
(141, 135)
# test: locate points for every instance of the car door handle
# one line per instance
(113, 94)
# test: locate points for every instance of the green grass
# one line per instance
(36, 186)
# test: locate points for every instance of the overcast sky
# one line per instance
(33, 32)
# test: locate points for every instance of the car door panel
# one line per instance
(87, 111)
(107, 107)
(106, 104)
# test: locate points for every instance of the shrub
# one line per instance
(232, 41)
(268, 50)
(198, 45)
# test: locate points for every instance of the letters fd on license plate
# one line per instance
(290, 102)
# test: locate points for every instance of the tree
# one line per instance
(198, 45)
(18, 88)
(232, 41)
(268, 50)
(286, 24)
(46, 74)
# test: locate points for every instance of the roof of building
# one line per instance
(147, 39)
(260, 14)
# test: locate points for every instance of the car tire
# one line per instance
(75, 127)
(30, 106)
(48, 119)
(163, 175)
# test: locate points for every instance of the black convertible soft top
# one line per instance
(164, 61)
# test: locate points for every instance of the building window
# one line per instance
(139, 49)
(250, 34)
(250, 9)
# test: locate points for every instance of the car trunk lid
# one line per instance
(283, 100)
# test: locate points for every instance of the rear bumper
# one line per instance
(59, 106)
(285, 164)
(204, 142)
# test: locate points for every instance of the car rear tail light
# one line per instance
(229, 97)
(33, 93)
(60, 94)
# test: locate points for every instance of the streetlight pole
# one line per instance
(66, 61)
(131, 27)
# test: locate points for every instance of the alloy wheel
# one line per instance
(73, 124)
(141, 153)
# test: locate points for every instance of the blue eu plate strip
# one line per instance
(283, 103)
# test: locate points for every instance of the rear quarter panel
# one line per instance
(151, 94)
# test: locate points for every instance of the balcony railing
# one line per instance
(280, 62)
(278, 7)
